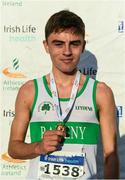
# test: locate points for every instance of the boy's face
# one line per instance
(65, 49)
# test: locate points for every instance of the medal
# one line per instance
(61, 127)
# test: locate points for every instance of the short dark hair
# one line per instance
(63, 20)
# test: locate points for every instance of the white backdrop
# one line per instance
(23, 57)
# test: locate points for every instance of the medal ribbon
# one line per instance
(56, 97)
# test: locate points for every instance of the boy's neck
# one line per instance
(64, 78)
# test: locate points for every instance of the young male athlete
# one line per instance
(65, 111)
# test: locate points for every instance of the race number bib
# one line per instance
(62, 164)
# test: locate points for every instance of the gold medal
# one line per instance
(61, 127)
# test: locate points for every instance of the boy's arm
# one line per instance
(107, 118)
(18, 149)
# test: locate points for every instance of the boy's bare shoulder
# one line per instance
(104, 94)
(103, 89)
(27, 87)
(26, 93)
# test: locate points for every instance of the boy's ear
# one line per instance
(84, 46)
(46, 46)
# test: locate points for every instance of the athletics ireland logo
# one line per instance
(13, 72)
(45, 107)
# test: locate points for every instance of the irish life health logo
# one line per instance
(14, 72)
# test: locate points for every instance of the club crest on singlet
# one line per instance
(45, 107)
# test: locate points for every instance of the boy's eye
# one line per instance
(58, 44)
(76, 43)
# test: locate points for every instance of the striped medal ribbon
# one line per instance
(62, 116)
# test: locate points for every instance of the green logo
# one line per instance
(45, 107)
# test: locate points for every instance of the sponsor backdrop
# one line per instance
(23, 57)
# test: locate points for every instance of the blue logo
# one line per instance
(119, 111)
(121, 26)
